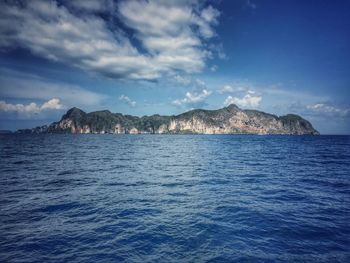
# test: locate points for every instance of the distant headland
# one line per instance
(228, 120)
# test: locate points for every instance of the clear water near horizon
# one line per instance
(174, 198)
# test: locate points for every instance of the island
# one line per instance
(228, 120)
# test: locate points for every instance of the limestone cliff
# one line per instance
(228, 120)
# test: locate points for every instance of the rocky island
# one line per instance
(228, 120)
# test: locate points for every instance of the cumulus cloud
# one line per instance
(127, 100)
(53, 104)
(31, 108)
(195, 98)
(172, 35)
(8, 107)
(248, 100)
(192, 98)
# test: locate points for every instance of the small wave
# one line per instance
(23, 162)
(67, 172)
(60, 207)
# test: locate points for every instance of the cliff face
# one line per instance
(228, 120)
(233, 120)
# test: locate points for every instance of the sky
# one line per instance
(169, 56)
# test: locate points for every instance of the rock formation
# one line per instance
(228, 120)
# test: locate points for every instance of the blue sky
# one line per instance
(166, 57)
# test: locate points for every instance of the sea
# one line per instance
(174, 198)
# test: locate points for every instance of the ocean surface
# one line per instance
(174, 198)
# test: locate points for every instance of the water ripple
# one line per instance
(178, 198)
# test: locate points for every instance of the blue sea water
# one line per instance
(174, 198)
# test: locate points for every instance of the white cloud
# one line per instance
(31, 108)
(127, 100)
(195, 83)
(51, 31)
(182, 80)
(165, 29)
(194, 98)
(328, 110)
(205, 20)
(248, 100)
(7, 107)
(232, 89)
(173, 33)
(53, 104)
